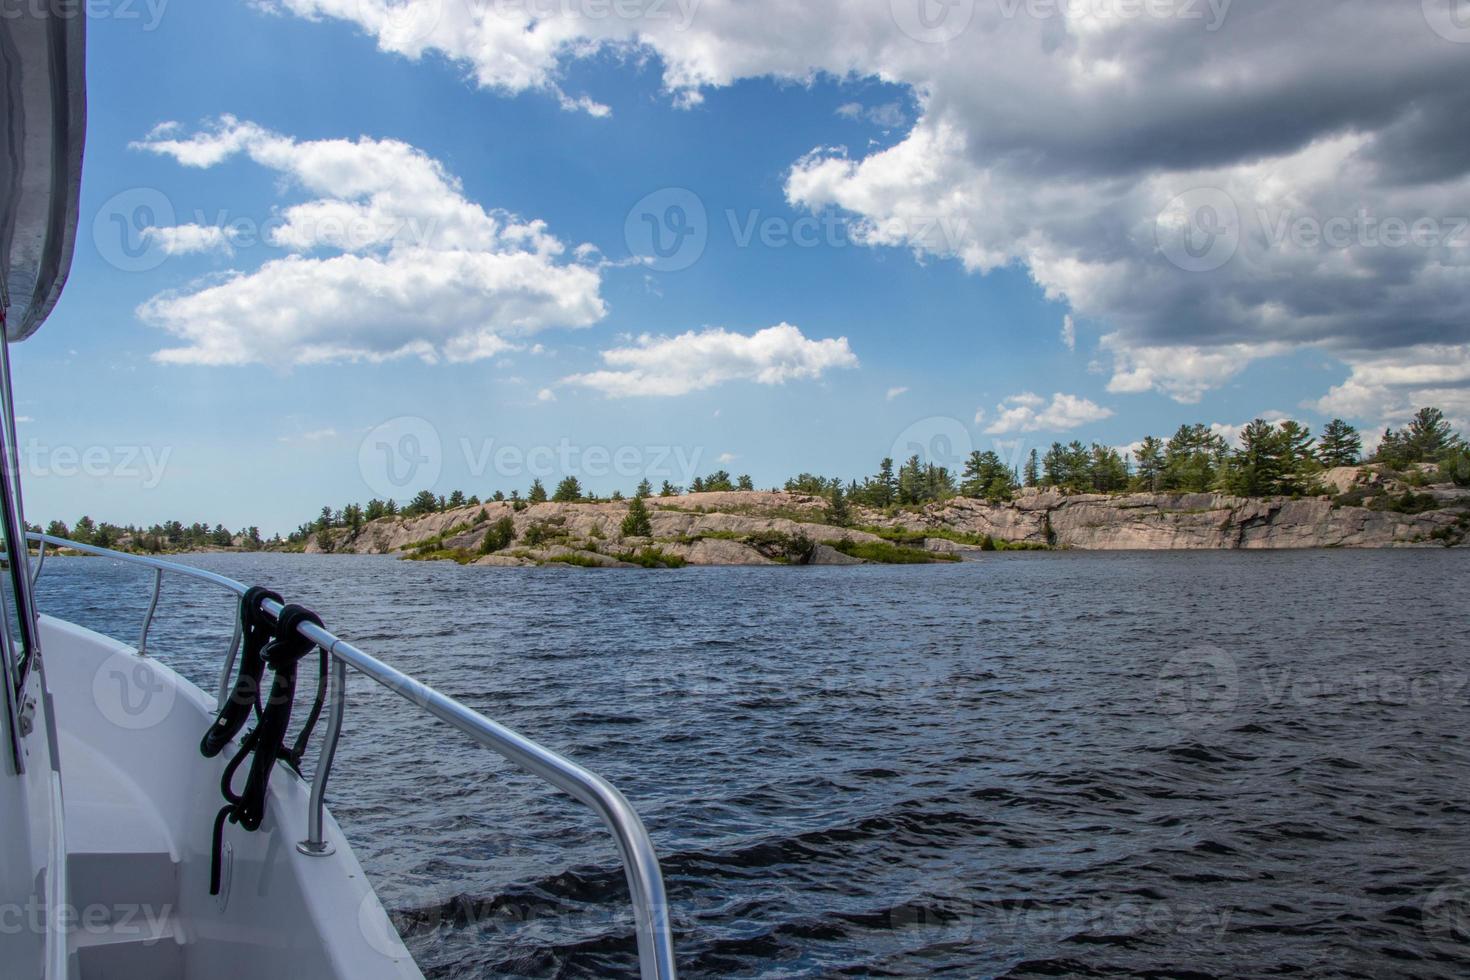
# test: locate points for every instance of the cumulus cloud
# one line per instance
(897, 393)
(1386, 387)
(1143, 139)
(188, 239)
(1029, 412)
(694, 361)
(386, 259)
(1069, 332)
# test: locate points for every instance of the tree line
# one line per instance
(1273, 459)
(167, 536)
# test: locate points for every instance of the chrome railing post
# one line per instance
(227, 673)
(152, 608)
(40, 563)
(316, 843)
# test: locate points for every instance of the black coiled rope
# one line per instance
(280, 646)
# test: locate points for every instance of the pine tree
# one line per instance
(637, 524)
(838, 514)
(568, 491)
(1033, 469)
(1340, 445)
(1430, 436)
(457, 499)
(538, 492)
(645, 489)
(1261, 463)
(886, 484)
(745, 484)
(1150, 458)
(668, 490)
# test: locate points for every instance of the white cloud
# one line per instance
(1184, 373)
(1322, 109)
(889, 115)
(419, 269)
(1069, 332)
(725, 459)
(1029, 412)
(665, 366)
(897, 393)
(1386, 387)
(546, 395)
(189, 239)
(306, 438)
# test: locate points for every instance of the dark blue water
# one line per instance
(1209, 765)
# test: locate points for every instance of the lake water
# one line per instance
(1188, 764)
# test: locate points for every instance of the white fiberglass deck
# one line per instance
(140, 802)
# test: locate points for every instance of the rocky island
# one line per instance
(1367, 508)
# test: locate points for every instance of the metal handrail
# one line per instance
(640, 863)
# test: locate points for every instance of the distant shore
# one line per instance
(1369, 510)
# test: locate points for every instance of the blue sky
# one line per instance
(890, 343)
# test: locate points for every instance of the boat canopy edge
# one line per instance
(42, 133)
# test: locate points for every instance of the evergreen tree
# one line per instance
(645, 489)
(1150, 458)
(1340, 445)
(838, 514)
(637, 524)
(568, 491)
(886, 484)
(538, 492)
(1429, 436)
(1107, 470)
(1261, 462)
(456, 499)
(745, 484)
(910, 482)
(1192, 459)
(1032, 475)
(499, 496)
(668, 490)
(1299, 464)
(424, 502)
(697, 486)
(718, 481)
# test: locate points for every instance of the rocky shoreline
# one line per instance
(1367, 510)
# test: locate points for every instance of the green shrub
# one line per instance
(499, 537)
(885, 553)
